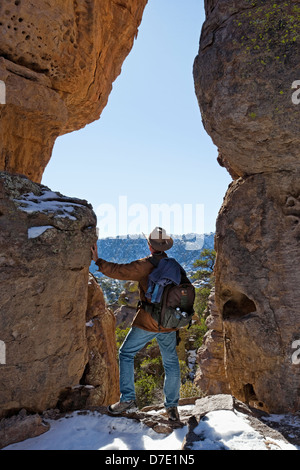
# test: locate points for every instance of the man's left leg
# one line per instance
(134, 342)
(167, 344)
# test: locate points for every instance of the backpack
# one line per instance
(170, 294)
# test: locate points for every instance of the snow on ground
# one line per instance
(218, 430)
(228, 430)
(93, 431)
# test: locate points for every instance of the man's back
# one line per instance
(139, 271)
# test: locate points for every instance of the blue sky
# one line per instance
(149, 146)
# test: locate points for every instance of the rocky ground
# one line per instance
(271, 431)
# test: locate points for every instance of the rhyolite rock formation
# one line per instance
(45, 243)
(128, 301)
(244, 72)
(102, 370)
(58, 61)
(99, 384)
(210, 376)
(54, 323)
(247, 64)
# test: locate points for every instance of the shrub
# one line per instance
(145, 388)
(121, 335)
(197, 332)
(189, 389)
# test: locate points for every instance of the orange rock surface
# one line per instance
(58, 60)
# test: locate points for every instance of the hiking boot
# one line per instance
(121, 406)
(173, 414)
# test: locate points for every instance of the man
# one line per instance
(144, 328)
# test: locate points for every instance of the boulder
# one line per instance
(21, 427)
(128, 301)
(45, 241)
(211, 375)
(99, 384)
(247, 64)
(102, 370)
(245, 76)
(58, 62)
(124, 316)
(257, 291)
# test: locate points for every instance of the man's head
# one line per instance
(159, 241)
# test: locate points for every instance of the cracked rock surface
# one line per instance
(58, 61)
(45, 241)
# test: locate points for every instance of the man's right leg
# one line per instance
(134, 342)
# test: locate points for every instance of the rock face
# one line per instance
(58, 61)
(128, 299)
(45, 241)
(21, 427)
(102, 370)
(99, 384)
(258, 291)
(211, 376)
(247, 65)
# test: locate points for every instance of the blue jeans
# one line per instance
(134, 342)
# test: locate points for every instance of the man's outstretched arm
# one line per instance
(134, 271)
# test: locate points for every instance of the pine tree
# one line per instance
(205, 274)
(207, 263)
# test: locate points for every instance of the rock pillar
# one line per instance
(246, 79)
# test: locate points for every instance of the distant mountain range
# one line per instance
(186, 249)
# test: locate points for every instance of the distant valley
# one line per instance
(125, 250)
